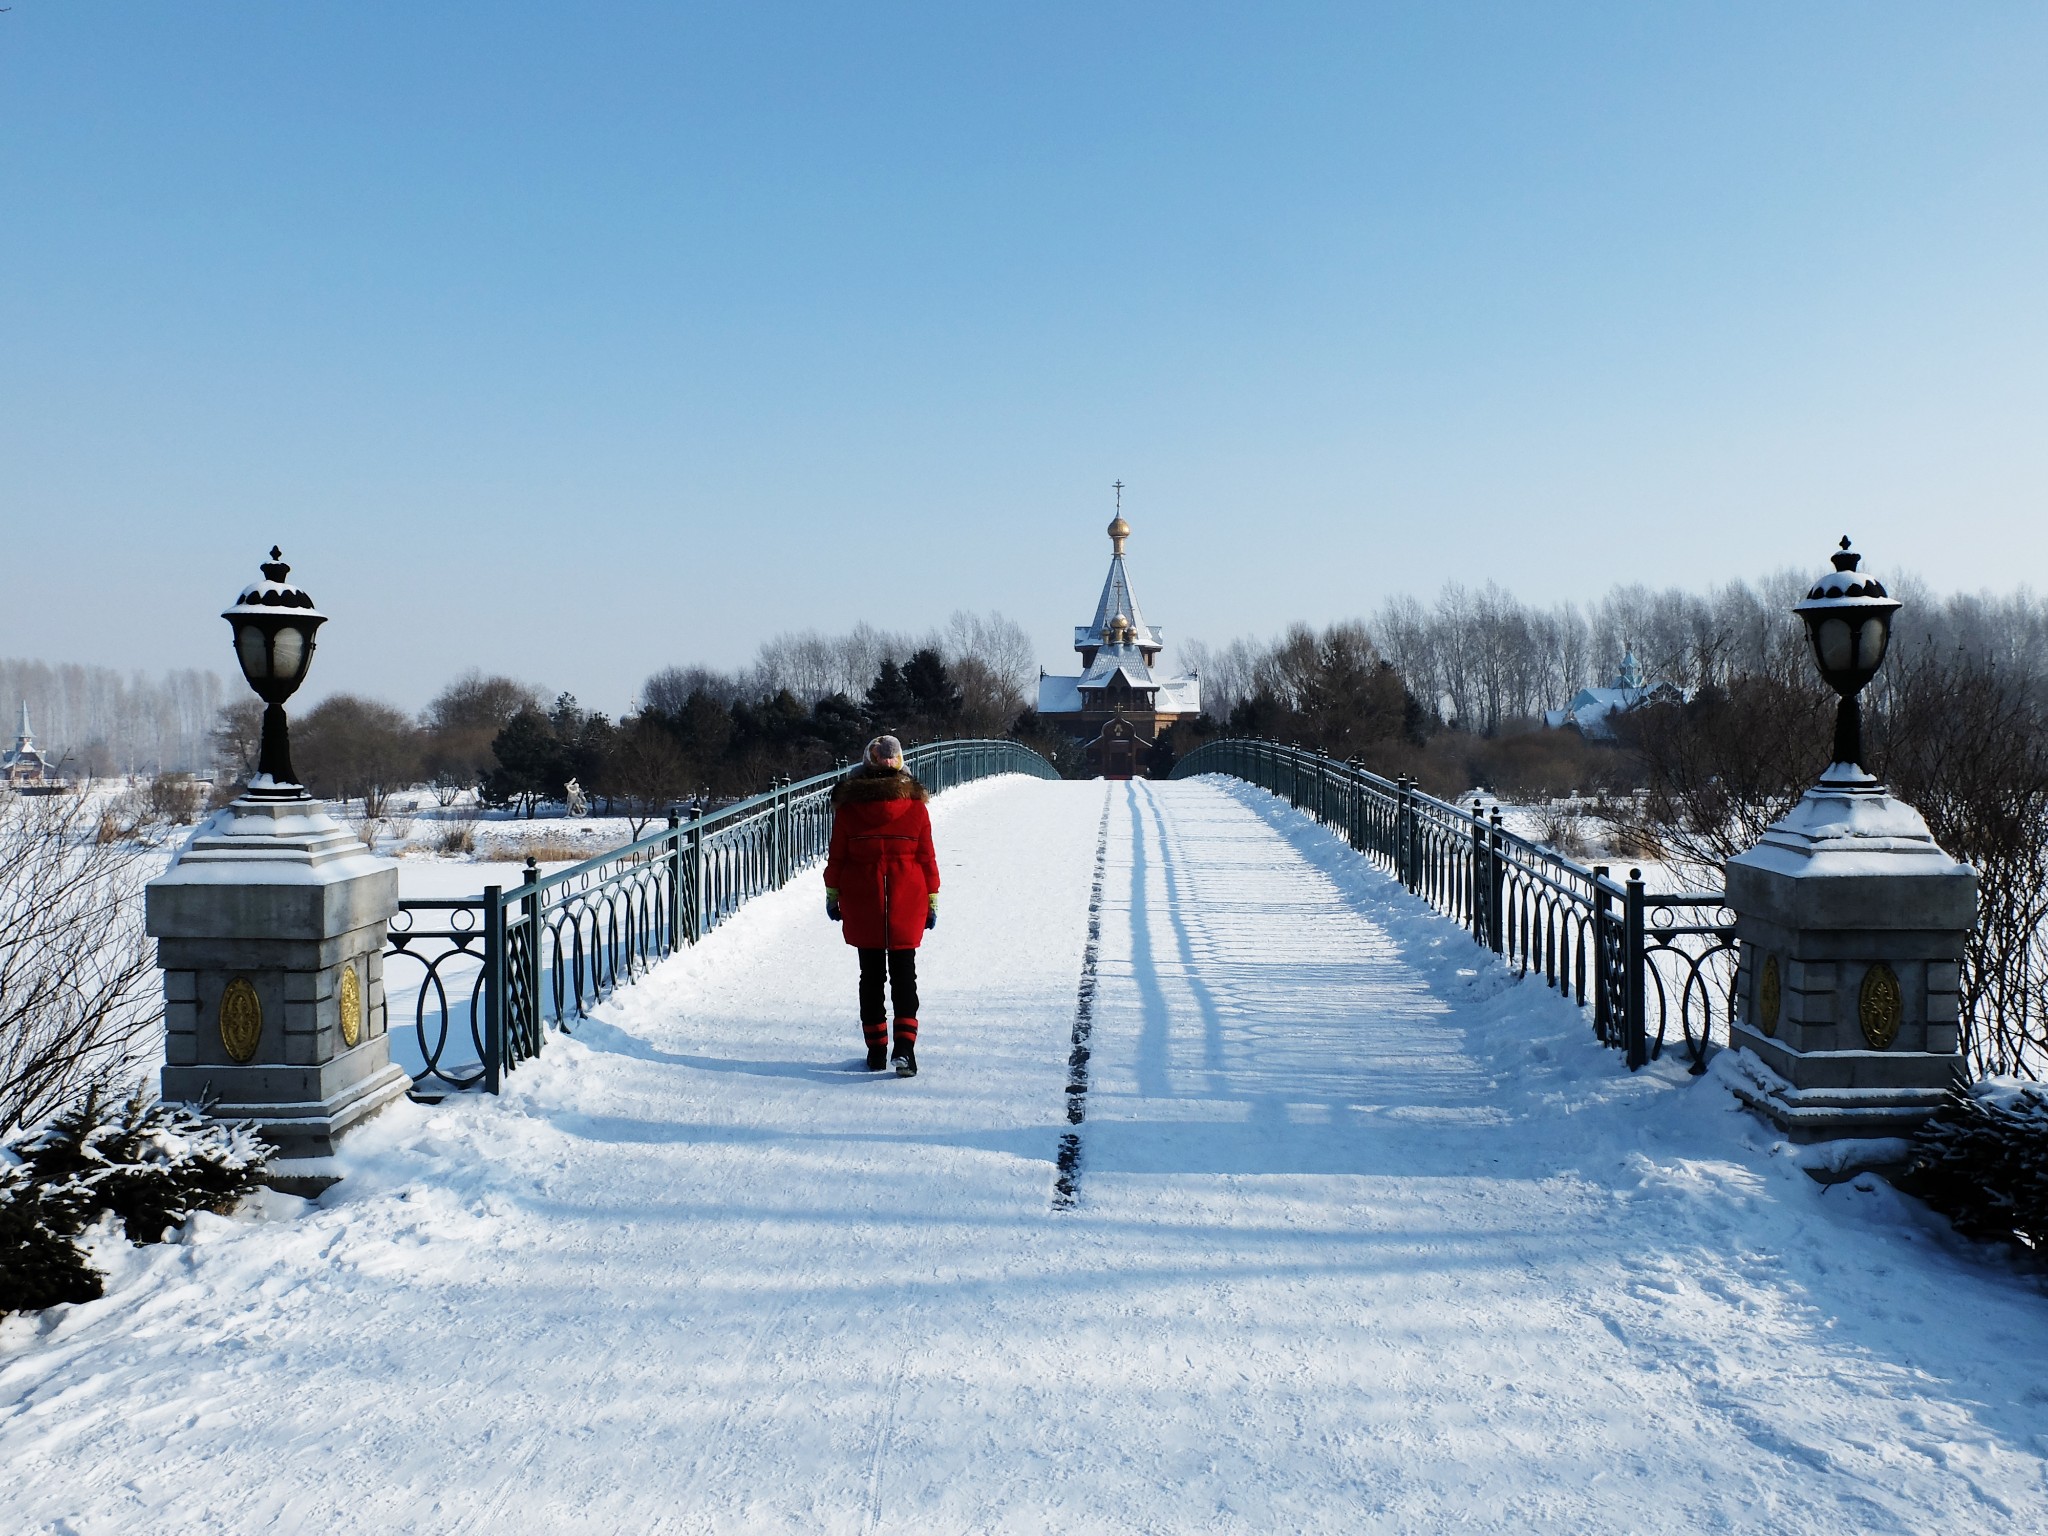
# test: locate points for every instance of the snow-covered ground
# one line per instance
(1368, 1237)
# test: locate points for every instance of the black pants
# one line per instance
(899, 968)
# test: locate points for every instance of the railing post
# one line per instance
(675, 883)
(1638, 1034)
(694, 873)
(1392, 847)
(1482, 881)
(782, 858)
(1404, 835)
(494, 986)
(1602, 919)
(529, 904)
(1497, 885)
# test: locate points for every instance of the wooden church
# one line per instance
(1118, 704)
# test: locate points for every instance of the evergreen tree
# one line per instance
(152, 1164)
(148, 1163)
(40, 1263)
(889, 705)
(838, 725)
(531, 762)
(1982, 1161)
(935, 701)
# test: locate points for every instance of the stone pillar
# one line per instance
(270, 928)
(1851, 923)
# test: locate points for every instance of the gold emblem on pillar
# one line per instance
(351, 1008)
(241, 1019)
(1767, 990)
(1880, 1007)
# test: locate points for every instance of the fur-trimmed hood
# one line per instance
(867, 784)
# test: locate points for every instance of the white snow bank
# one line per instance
(1370, 1237)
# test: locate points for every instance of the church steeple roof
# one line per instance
(1118, 600)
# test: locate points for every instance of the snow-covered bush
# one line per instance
(78, 987)
(1982, 1161)
(40, 1261)
(148, 1164)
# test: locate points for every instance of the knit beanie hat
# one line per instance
(885, 752)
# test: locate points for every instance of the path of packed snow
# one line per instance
(1369, 1237)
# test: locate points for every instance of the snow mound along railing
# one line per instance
(512, 961)
(1653, 967)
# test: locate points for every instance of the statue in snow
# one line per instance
(579, 803)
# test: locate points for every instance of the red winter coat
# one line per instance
(882, 862)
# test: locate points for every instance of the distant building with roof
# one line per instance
(1593, 710)
(25, 770)
(1118, 704)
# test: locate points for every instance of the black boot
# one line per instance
(906, 1048)
(877, 1037)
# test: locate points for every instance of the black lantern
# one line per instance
(274, 624)
(1849, 620)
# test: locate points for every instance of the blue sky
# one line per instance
(573, 340)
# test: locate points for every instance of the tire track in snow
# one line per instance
(1067, 1187)
(883, 1438)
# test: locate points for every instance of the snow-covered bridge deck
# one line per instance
(1368, 1237)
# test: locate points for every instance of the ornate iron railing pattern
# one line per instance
(1653, 968)
(548, 949)
(432, 934)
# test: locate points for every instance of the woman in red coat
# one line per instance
(882, 886)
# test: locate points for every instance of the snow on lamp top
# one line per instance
(1848, 617)
(274, 591)
(273, 623)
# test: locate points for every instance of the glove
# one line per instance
(931, 916)
(832, 906)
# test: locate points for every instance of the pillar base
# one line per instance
(268, 1099)
(1810, 1114)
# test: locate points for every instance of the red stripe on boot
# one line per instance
(906, 1031)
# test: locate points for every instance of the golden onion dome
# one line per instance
(1118, 532)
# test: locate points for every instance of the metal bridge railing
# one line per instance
(1651, 967)
(514, 960)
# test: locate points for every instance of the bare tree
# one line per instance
(78, 993)
(354, 748)
(669, 691)
(1720, 767)
(1001, 646)
(460, 724)
(1228, 675)
(990, 700)
(648, 771)
(1964, 739)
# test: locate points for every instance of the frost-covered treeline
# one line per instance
(1479, 658)
(98, 721)
(810, 665)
